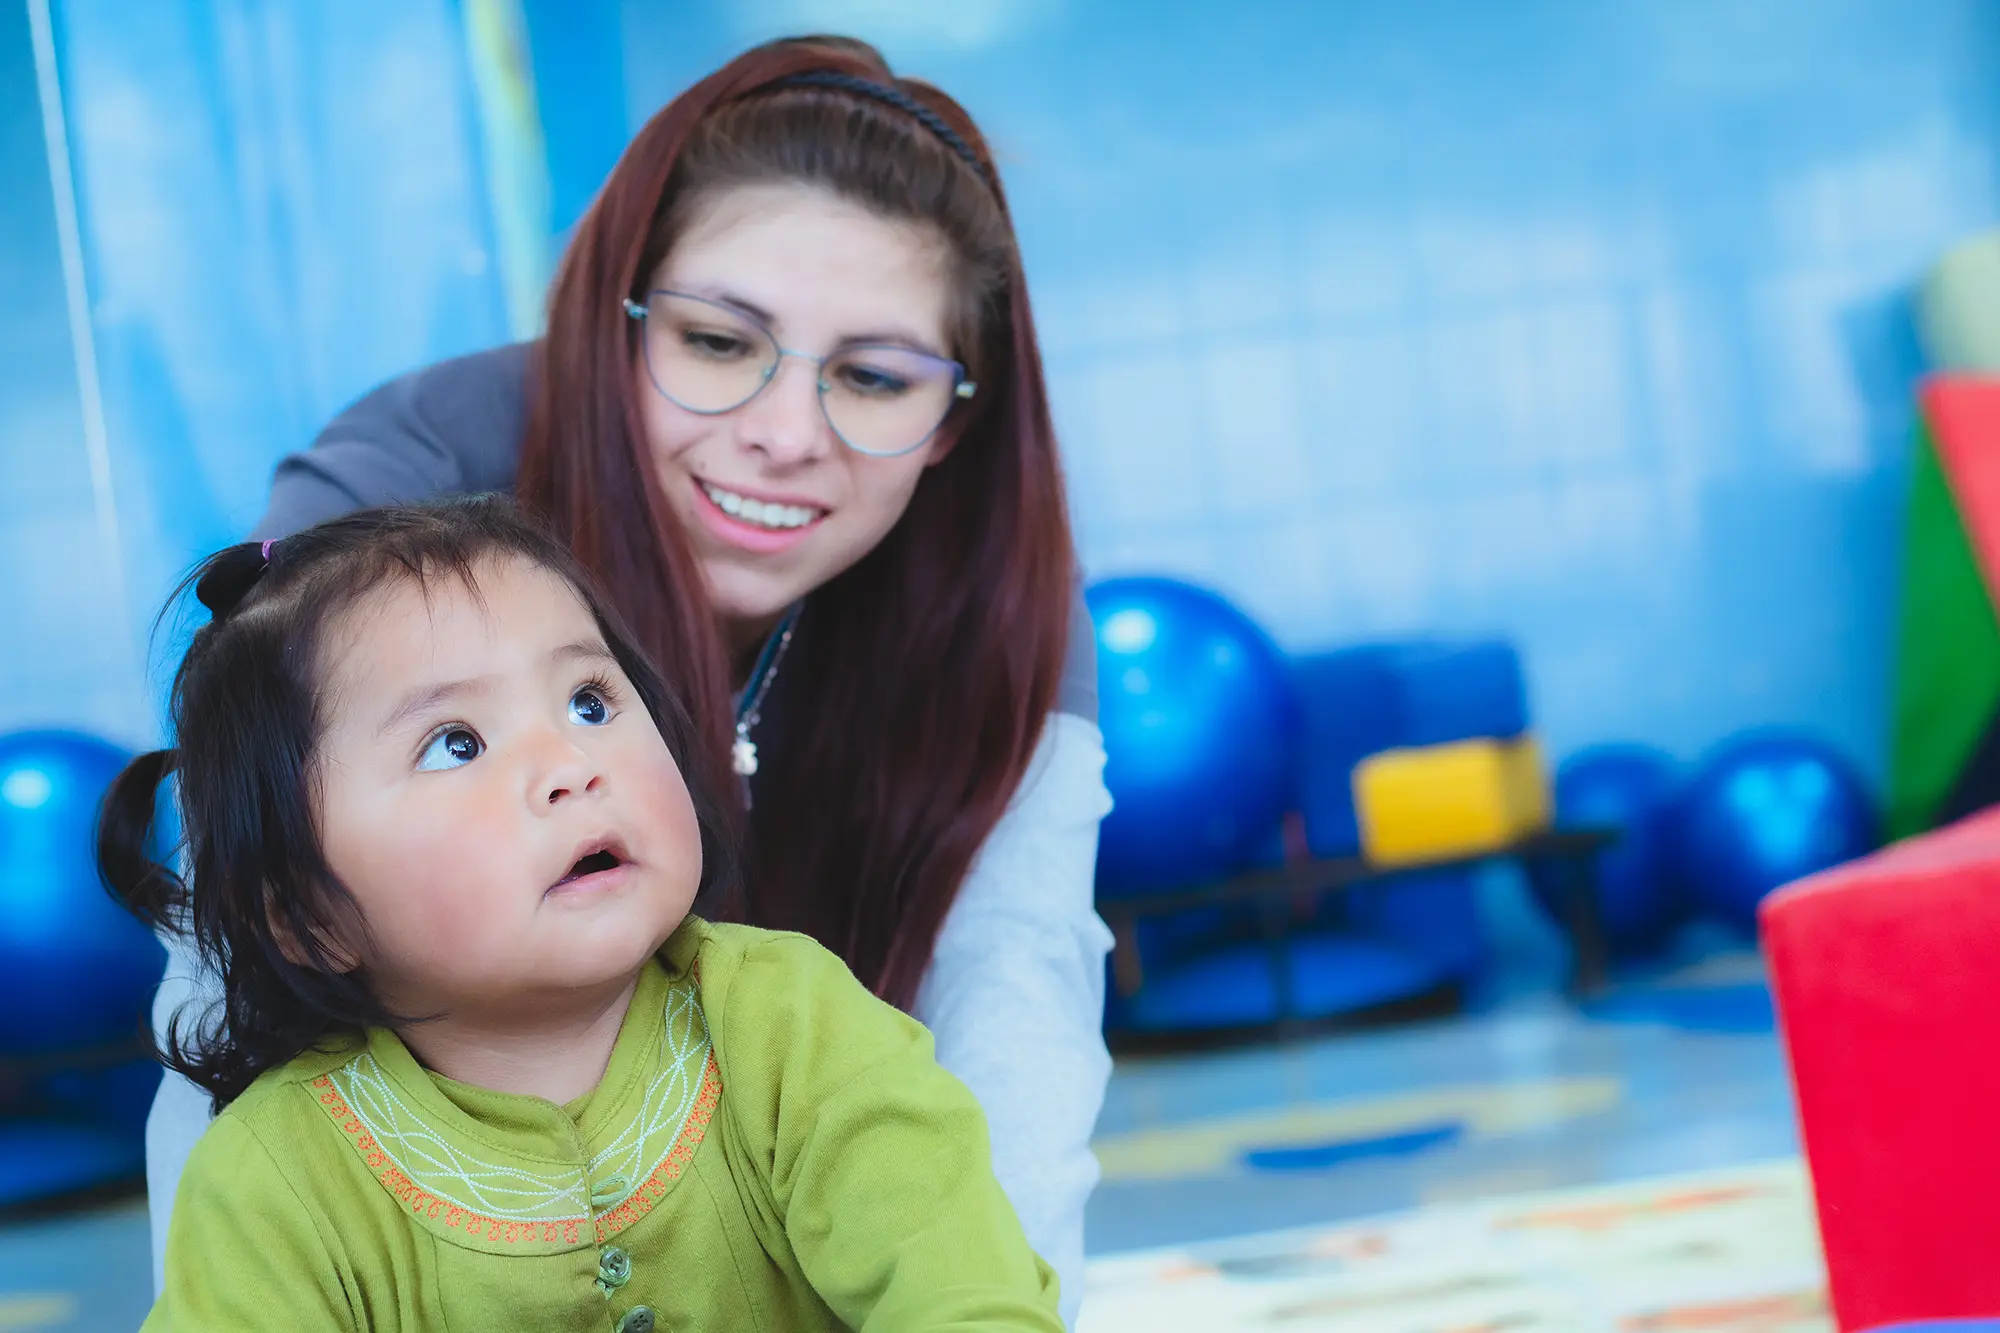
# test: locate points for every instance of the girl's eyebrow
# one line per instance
(426, 697)
(584, 650)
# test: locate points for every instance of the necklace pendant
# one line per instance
(743, 757)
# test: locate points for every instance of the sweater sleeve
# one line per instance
(244, 1254)
(1015, 992)
(448, 429)
(874, 1157)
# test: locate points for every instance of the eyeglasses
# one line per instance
(880, 400)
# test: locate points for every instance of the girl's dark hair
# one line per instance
(921, 678)
(248, 710)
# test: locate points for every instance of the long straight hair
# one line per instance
(922, 676)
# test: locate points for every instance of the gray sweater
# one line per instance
(1014, 994)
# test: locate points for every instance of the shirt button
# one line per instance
(638, 1319)
(614, 1267)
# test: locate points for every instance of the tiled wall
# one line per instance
(1583, 323)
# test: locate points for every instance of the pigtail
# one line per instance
(125, 827)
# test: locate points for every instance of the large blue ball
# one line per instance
(77, 971)
(1630, 788)
(1199, 728)
(1765, 809)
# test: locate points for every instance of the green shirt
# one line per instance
(771, 1148)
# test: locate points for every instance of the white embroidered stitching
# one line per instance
(511, 1193)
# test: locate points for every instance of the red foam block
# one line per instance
(1963, 412)
(1886, 973)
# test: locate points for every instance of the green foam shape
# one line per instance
(1948, 656)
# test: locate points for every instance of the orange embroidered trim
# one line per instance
(421, 1202)
(640, 1201)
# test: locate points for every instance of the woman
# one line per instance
(790, 411)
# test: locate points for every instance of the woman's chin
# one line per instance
(748, 604)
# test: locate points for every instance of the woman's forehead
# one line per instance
(810, 263)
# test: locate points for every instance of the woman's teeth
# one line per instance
(757, 512)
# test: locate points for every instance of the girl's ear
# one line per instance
(343, 958)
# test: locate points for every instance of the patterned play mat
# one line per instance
(1723, 1252)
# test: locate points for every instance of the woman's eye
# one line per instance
(872, 382)
(587, 707)
(450, 749)
(714, 344)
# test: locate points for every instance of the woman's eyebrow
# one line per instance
(892, 334)
(723, 296)
(895, 337)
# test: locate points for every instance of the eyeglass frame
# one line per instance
(961, 391)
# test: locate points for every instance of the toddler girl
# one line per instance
(478, 1064)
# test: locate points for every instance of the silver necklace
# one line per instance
(743, 753)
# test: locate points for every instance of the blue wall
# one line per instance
(65, 655)
(1582, 323)
(279, 204)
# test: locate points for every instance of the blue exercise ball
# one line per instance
(1199, 724)
(1765, 809)
(1631, 789)
(79, 971)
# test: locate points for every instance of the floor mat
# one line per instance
(1732, 1251)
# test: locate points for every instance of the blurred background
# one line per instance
(1480, 419)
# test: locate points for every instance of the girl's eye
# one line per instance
(453, 748)
(587, 707)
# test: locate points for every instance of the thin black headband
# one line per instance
(895, 97)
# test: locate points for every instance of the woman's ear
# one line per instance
(946, 439)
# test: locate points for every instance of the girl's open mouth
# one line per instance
(594, 860)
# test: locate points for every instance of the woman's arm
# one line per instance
(1015, 991)
(180, 1110)
(450, 429)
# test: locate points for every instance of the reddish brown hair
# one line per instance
(920, 678)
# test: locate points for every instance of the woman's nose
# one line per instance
(785, 423)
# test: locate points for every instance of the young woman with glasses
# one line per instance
(789, 411)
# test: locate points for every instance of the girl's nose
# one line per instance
(568, 771)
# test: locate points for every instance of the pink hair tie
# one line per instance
(267, 549)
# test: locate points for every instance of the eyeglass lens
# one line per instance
(711, 359)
